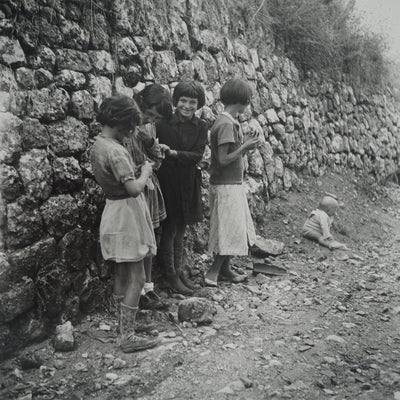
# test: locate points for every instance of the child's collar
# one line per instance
(234, 120)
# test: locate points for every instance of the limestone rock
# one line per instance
(68, 137)
(34, 134)
(82, 105)
(24, 227)
(271, 116)
(67, 174)
(25, 77)
(36, 174)
(102, 61)
(44, 57)
(267, 247)
(60, 214)
(164, 66)
(127, 51)
(70, 79)
(47, 104)
(99, 87)
(196, 309)
(7, 79)
(10, 182)
(43, 78)
(10, 140)
(64, 337)
(11, 52)
(17, 300)
(73, 59)
(26, 261)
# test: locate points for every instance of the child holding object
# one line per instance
(318, 223)
(180, 179)
(155, 102)
(126, 230)
(231, 226)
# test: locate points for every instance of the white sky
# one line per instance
(383, 17)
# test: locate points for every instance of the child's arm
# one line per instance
(136, 186)
(196, 154)
(225, 158)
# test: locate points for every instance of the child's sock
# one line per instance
(148, 287)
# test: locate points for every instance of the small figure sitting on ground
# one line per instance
(318, 224)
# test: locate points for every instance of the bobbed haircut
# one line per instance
(119, 110)
(155, 96)
(235, 91)
(191, 89)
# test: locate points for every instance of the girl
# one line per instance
(231, 226)
(126, 232)
(155, 103)
(180, 179)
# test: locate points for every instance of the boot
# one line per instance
(176, 285)
(178, 267)
(129, 341)
(152, 301)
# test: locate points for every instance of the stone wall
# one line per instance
(60, 58)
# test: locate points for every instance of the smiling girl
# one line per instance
(180, 179)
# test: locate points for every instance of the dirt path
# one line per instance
(330, 328)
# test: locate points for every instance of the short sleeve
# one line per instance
(225, 134)
(121, 165)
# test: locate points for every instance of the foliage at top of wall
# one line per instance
(323, 36)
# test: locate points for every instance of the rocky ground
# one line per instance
(327, 329)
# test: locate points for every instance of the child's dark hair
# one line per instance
(155, 96)
(191, 89)
(235, 91)
(119, 110)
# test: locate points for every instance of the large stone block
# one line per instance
(75, 35)
(10, 140)
(164, 66)
(36, 174)
(73, 59)
(43, 78)
(33, 134)
(60, 214)
(25, 78)
(28, 260)
(7, 79)
(43, 57)
(77, 246)
(67, 174)
(17, 300)
(179, 35)
(6, 279)
(11, 52)
(102, 61)
(70, 79)
(127, 51)
(99, 87)
(82, 105)
(23, 227)
(256, 163)
(68, 137)
(10, 182)
(47, 104)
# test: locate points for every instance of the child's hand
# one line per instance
(171, 153)
(251, 142)
(164, 148)
(147, 169)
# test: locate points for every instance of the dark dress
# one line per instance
(180, 178)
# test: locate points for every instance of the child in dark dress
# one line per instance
(180, 179)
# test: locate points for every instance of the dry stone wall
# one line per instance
(60, 58)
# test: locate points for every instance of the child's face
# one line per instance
(186, 107)
(151, 115)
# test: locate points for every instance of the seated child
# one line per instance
(318, 224)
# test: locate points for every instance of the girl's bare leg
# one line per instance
(213, 272)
